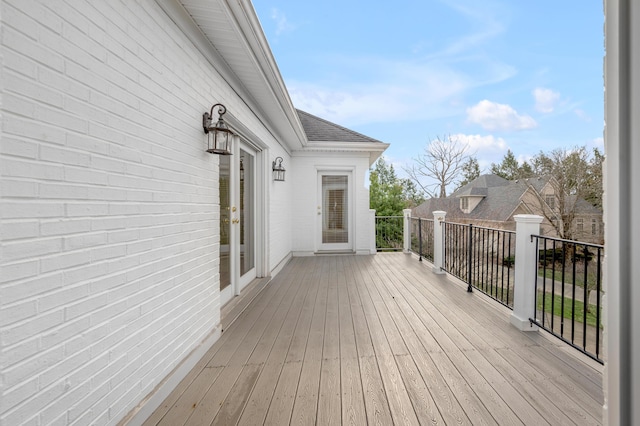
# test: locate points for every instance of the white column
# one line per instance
(526, 268)
(372, 233)
(406, 234)
(438, 241)
(621, 207)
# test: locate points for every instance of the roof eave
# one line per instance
(374, 149)
(269, 99)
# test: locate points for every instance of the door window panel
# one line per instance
(335, 209)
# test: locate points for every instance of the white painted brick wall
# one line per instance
(109, 207)
(282, 209)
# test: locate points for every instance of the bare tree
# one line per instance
(442, 161)
(567, 177)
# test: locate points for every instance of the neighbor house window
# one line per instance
(550, 200)
(594, 227)
(464, 203)
(580, 225)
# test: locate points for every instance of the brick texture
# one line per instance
(109, 221)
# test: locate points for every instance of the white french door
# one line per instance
(237, 221)
(335, 211)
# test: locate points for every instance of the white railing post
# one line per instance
(526, 268)
(438, 241)
(406, 233)
(372, 234)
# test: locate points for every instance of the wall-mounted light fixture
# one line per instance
(278, 170)
(219, 135)
(241, 170)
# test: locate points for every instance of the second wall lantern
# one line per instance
(218, 134)
(278, 170)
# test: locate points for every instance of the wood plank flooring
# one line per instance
(381, 340)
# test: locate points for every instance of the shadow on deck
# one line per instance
(381, 340)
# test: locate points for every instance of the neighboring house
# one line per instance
(492, 201)
(122, 237)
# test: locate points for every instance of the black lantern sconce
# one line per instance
(241, 170)
(278, 170)
(219, 135)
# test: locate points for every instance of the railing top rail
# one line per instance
(566, 241)
(507, 231)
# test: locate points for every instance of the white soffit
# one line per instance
(233, 29)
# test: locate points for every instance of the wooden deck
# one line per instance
(381, 340)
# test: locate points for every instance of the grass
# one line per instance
(592, 275)
(568, 308)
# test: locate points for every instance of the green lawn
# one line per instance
(568, 308)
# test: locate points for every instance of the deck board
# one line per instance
(381, 340)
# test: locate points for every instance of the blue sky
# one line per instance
(496, 74)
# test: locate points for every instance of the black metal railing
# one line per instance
(421, 231)
(569, 292)
(456, 260)
(389, 233)
(482, 257)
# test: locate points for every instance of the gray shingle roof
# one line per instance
(320, 130)
(480, 185)
(501, 197)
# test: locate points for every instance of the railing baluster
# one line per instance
(544, 284)
(420, 240)
(470, 259)
(585, 298)
(598, 288)
(564, 258)
(573, 298)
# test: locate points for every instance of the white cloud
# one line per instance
(484, 17)
(391, 91)
(282, 23)
(546, 99)
(494, 116)
(486, 149)
(481, 144)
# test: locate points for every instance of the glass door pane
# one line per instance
(225, 222)
(247, 216)
(335, 210)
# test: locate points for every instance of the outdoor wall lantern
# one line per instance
(219, 135)
(278, 170)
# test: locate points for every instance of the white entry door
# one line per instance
(237, 221)
(335, 211)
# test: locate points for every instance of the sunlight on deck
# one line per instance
(381, 340)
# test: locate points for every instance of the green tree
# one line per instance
(385, 191)
(388, 196)
(470, 171)
(510, 169)
(412, 195)
(594, 191)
